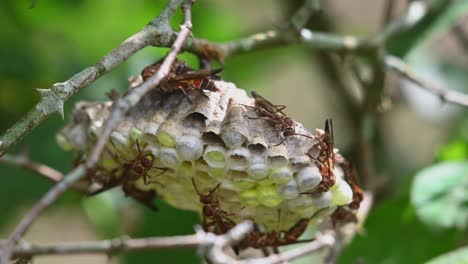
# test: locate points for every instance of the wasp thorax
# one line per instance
(288, 121)
(232, 163)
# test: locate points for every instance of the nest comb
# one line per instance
(212, 139)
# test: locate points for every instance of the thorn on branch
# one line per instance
(50, 101)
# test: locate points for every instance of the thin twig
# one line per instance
(47, 172)
(120, 107)
(405, 71)
(208, 244)
(204, 241)
(413, 14)
(23, 161)
(43, 203)
(461, 36)
(303, 14)
(387, 12)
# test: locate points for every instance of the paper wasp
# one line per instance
(324, 156)
(215, 219)
(140, 165)
(274, 114)
(258, 239)
(347, 213)
(129, 173)
(350, 178)
(182, 77)
(343, 215)
(117, 177)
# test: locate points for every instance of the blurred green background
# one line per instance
(409, 223)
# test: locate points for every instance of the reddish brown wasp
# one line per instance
(258, 239)
(350, 178)
(144, 197)
(324, 156)
(182, 77)
(140, 165)
(347, 214)
(274, 113)
(343, 215)
(118, 177)
(215, 219)
(131, 171)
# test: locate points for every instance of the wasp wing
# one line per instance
(190, 75)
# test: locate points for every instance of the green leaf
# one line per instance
(103, 214)
(440, 195)
(459, 256)
(457, 150)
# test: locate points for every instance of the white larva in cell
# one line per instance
(281, 175)
(322, 200)
(300, 202)
(289, 190)
(168, 157)
(189, 147)
(308, 178)
(258, 170)
(233, 139)
(277, 161)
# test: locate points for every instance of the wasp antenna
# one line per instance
(282, 141)
(195, 186)
(280, 107)
(216, 71)
(105, 188)
(302, 241)
(163, 170)
(214, 189)
(138, 146)
(186, 95)
(304, 135)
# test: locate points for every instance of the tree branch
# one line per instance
(461, 37)
(120, 107)
(321, 242)
(207, 244)
(405, 71)
(23, 161)
(47, 172)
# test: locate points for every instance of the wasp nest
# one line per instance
(197, 142)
